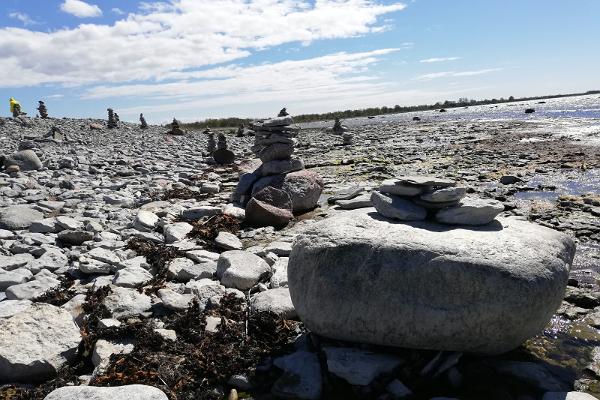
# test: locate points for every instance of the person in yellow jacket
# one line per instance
(15, 107)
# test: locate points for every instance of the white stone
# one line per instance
(34, 344)
(277, 301)
(177, 231)
(240, 269)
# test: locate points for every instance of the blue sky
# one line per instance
(196, 59)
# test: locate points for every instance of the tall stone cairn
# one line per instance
(42, 110)
(112, 122)
(280, 187)
(143, 123)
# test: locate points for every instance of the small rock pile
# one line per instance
(280, 187)
(143, 123)
(175, 129)
(42, 110)
(222, 155)
(212, 144)
(112, 120)
(414, 198)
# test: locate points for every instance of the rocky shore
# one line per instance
(124, 262)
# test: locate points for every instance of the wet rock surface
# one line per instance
(97, 240)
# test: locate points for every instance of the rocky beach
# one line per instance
(456, 256)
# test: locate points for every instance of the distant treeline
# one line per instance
(373, 111)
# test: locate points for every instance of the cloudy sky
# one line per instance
(196, 59)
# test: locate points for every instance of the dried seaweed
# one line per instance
(58, 295)
(198, 362)
(210, 228)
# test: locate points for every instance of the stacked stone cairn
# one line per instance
(112, 121)
(222, 155)
(280, 187)
(143, 123)
(416, 198)
(175, 129)
(42, 110)
(211, 146)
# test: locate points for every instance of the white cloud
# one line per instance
(439, 59)
(118, 11)
(445, 74)
(165, 39)
(24, 18)
(334, 79)
(81, 9)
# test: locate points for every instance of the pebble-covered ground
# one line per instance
(141, 210)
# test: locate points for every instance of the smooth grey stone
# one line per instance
(345, 194)
(428, 181)
(361, 201)
(445, 195)
(281, 167)
(395, 187)
(175, 301)
(391, 206)
(9, 263)
(471, 211)
(353, 276)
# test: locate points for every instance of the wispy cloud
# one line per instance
(24, 18)
(81, 9)
(439, 59)
(118, 11)
(446, 74)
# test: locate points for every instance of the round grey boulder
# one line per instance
(360, 277)
(26, 160)
(304, 187)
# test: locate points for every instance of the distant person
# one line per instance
(15, 107)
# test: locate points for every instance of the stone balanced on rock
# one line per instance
(414, 198)
(175, 129)
(222, 155)
(143, 123)
(362, 277)
(112, 121)
(280, 187)
(42, 110)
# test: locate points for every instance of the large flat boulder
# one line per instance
(360, 277)
(36, 342)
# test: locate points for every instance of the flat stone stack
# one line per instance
(415, 198)
(280, 187)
